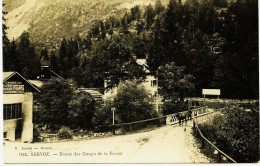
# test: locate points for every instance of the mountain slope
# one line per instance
(48, 21)
(12, 4)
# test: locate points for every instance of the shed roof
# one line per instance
(37, 83)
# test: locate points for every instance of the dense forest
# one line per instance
(215, 40)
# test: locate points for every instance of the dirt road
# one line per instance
(169, 144)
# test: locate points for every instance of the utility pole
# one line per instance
(157, 92)
(113, 109)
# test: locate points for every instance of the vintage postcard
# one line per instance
(130, 81)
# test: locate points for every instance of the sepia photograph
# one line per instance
(130, 82)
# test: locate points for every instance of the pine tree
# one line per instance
(172, 33)
(156, 54)
(63, 54)
(29, 60)
(124, 23)
(14, 62)
(54, 62)
(6, 41)
(44, 57)
(135, 13)
(158, 7)
(149, 15)
(7, 61)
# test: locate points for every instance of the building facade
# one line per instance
(17, 107)
(150, 83)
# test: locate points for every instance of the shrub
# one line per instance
(239, 135)
(133, 103)
(215, 105)
(210, 127)
(103, 117)
(170, 107)
(81, 110)
(65, 133)
(236, 133)
(36, 135)
(53, 103)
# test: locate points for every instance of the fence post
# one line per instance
(219, 157)
(202, 143)
(113, 130)
(130, 126)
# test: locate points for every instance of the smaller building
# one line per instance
(150, 83)
(18, 107)
(43, 76)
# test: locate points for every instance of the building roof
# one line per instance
(94, 93)
(8, 75)
(48, 73)
(37, 83)
(142, 62)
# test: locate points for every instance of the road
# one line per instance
(168, 144)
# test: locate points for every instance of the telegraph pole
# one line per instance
(113, 109)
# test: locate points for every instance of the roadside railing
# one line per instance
(170, 119)
(136, 124)
(222, 100)
(204, 139)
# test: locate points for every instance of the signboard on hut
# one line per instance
(13, 87)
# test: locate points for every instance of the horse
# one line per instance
(184, 116)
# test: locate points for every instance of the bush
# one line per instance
(103, 118)
(236, 133)
(65, 133)
(170, 107)
(241, 131)
(81, 110)
(53, 103)
(210, 127)
(36, 135)
(133, 103)
(215, 105)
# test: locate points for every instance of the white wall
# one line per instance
(27, 112)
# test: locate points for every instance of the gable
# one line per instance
(46, 74)
(16, 84)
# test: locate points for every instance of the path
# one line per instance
(169, 144)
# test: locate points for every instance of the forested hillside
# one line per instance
(48, 21)
(215, 41)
